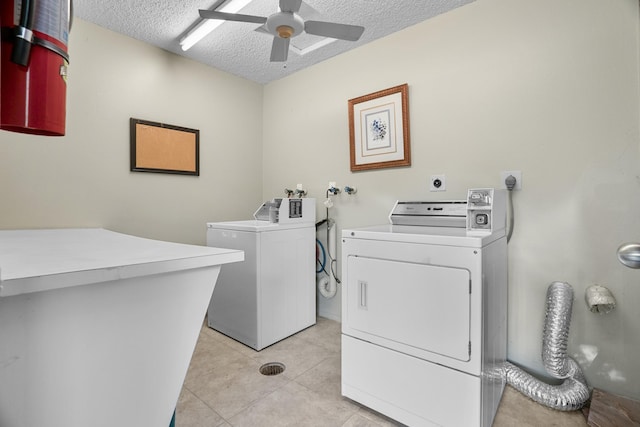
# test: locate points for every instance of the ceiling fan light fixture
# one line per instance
(290, 23)
(285, 31)
(206, 26)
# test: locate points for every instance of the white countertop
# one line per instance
(41, 260)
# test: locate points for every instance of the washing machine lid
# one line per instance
(449, 236)
(255, 225)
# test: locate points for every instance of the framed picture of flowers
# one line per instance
(379, 129)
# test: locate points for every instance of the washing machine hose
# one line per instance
(326, 287)
(324, 257)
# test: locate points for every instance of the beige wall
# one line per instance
(83, 178)
(546, 87)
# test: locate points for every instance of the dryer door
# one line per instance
(418, 306)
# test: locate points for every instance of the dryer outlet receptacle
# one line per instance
(437, 183)
(516, 174)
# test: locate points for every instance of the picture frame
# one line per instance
(162, 148)
(379, 129)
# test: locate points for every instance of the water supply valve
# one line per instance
(350, 190)
(300, 192)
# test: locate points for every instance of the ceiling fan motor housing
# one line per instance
(285, 24)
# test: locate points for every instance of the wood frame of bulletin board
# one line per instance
(162, 148)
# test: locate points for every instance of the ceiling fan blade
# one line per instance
(333, 30)
(212, 14)
(263, 29)
(279, 49)
(290, 5)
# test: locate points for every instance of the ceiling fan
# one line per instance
(286, 24)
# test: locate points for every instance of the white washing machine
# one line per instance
(271, 295)
(424, 315)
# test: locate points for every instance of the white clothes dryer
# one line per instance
(424, 316)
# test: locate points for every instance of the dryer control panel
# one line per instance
(483, 212)
(450, 213)
(486, 210)
(287, 211)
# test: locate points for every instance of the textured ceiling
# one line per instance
(236, 47)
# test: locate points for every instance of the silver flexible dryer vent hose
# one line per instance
(573, 393)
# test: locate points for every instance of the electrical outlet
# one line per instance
(437, 183)
(516, 174)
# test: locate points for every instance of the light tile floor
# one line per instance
(225, 388)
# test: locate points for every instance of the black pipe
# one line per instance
(21, 51)
(70, 14)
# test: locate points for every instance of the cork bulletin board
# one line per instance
(163, 148)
